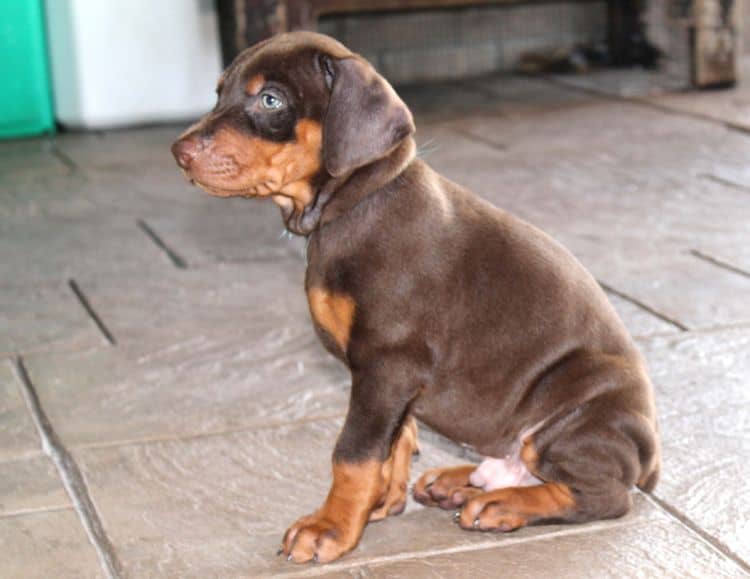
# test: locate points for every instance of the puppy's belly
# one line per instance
(498, 473)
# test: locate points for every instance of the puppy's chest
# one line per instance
(332, 308)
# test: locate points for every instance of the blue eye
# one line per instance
(270, 101)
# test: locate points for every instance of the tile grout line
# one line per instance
(426, 433)
(83, 300)
(691, 526)
(210, 434)
(177, 260)
(725, 182)
(718, 262)
(35, 511)
(64, 159)
(645, 307)
(72, 478)
(312, 571)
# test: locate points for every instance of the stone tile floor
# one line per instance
(166, 411)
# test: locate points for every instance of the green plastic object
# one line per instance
(25, 96)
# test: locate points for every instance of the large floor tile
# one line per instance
(703, 394)
(30, 194)
(656, 546)
(218, 506)
(691, 291)
(255, 297)
(126, 151)
(28, 479)
(58, 247)
(219, 366)
(18, 436)
(30, 484)
(228, 231)
(44, 317)
(46, 544)
(30, 156)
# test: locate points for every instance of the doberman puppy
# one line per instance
(442, 306)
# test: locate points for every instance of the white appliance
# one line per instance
(118, 63)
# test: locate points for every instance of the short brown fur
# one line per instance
(442, 306)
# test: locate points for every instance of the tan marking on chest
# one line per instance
(333, 312)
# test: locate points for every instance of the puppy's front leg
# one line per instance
(377, 412)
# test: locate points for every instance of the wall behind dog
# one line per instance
(443, 44)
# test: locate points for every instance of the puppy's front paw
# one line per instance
(318, 538)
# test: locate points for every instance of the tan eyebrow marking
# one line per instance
(254, 85)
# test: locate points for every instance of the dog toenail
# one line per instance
(476, 523)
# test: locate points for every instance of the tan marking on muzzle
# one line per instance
(235, 164)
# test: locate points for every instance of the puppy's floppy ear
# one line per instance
(365, 120)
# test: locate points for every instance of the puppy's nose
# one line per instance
(185, 151)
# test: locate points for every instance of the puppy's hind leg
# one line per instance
(588, 466)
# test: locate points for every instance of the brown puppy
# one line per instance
(442, 306)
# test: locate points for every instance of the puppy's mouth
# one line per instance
(258, 190)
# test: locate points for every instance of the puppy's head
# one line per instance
(292, 112)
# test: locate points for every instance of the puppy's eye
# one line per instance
(271, 101)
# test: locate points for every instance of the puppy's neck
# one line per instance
(339, 195)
